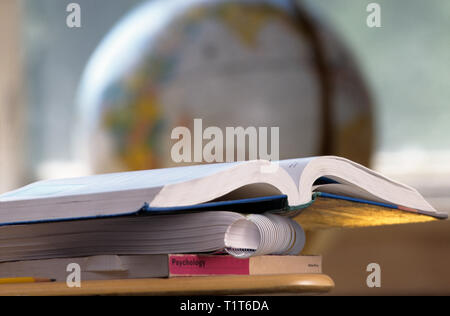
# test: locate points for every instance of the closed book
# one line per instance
(234, 233)
(204, 265)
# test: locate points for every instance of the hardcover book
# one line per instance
(189, 188)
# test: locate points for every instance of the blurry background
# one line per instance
(397, 105)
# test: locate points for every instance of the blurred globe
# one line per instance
(231, 63)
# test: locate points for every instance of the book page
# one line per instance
(295, 167)
(113, 182)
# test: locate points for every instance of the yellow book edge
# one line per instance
(326, 213)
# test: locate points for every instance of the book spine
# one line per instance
(198, 265)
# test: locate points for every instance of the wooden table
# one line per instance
(218, 285)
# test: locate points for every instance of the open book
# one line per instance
(202, 186)
(185, 188)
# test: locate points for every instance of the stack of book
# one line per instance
(216, 219)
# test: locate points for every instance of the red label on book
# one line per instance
(187, 265)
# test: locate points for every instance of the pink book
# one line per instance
(204, 265)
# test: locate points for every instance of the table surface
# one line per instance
(217, 285)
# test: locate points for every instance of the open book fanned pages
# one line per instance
(201, 208)
(184, 188)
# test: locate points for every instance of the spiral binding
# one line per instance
(278, 235)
